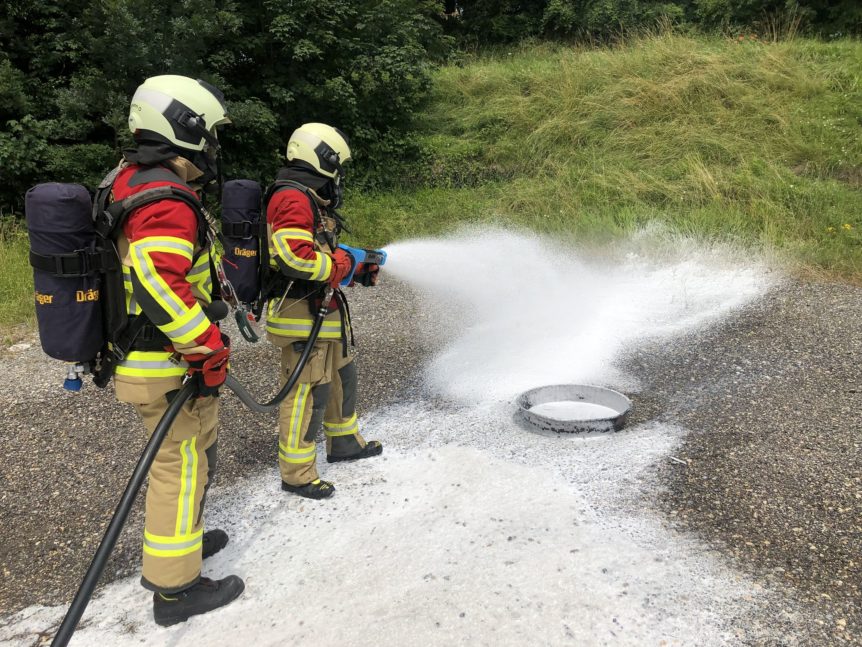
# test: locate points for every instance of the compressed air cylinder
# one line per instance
(59, 222)
(240, 221)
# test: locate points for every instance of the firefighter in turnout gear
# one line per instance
(168, 265)
(303, 227)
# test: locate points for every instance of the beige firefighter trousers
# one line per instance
(325, 393)
(179, 479)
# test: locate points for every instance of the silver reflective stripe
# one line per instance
(298, 455)
(186, 504)
(197, 320)
(198, 269)
(173, 545)
(288, 256)
(168, 297)
(158, 100)
(324, 268)
(296, 421)
(291, 327)
(144, 363)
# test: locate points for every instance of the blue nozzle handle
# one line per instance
(360, 255)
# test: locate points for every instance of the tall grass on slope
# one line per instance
(16, 282)
(755, 141)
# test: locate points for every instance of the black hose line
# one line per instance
(233, 384)
(85, 591)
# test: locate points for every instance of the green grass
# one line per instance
(16, 278)
(752, 141)
(756, 142)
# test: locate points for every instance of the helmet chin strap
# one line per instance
(336, 185)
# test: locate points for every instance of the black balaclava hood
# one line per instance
(322, 185)
(150, 153)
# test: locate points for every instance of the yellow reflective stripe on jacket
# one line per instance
(301, 328)
(172, 546)
(152, 281)
(141, 363)
(348, 428)
(188, 485)
(132, 306)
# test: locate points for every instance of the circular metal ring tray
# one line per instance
(576, 393)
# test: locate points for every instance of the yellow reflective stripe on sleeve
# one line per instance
(187, 327)
(188, 486)
(318, 268)
(294, 233)
(176, 546)
(151, 280)
(325, 268)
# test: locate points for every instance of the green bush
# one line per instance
(67, 74)
(503, 21)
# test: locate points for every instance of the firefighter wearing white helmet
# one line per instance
(303, 227)
(183, 115)
(167, 266)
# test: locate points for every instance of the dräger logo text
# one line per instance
(44, 299)
(248, 253)
(82, 296)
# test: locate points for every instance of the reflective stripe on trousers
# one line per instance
(178, 479)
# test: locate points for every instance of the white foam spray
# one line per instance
(469, 530)
(525, 311)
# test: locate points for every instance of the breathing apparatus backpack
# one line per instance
(78, 275)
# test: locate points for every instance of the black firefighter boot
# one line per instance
(317, 489)
(372, 448)
(214, 541)
(206, 595)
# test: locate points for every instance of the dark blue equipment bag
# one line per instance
(241, 221)
(62, 245)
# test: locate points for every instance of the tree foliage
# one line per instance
(68, 70)
(498, 21)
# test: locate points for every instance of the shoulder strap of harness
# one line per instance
(109, 217)
(282, 185)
